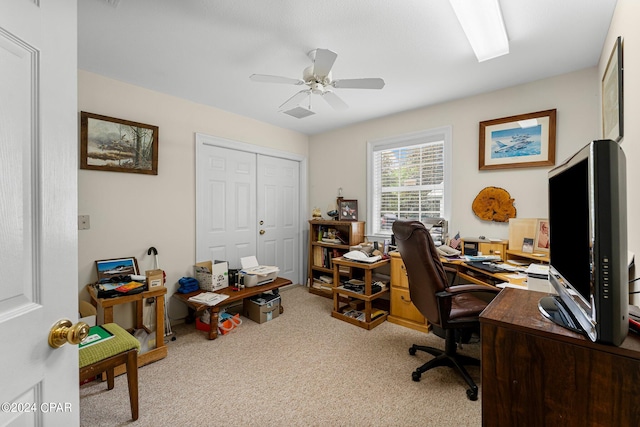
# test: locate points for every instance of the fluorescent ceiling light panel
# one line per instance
(482, 23)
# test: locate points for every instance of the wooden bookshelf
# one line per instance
(322, 252)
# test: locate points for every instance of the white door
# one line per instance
(38, 210)
(279, 214)
(225, 205)
(233, 188)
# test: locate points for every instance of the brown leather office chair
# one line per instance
(446, 306)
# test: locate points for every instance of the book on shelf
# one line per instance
(356, 289)
(327, 240)
(317, 284)
(355, 314)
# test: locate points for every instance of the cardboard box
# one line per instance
(261, 308)
(212, 276)
(155, 278)
(253, 274)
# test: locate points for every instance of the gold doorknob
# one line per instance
(262, 231)
(66, 332)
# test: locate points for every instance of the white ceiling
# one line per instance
(205, 50)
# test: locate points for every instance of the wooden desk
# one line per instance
(536, 373)
(233, 297)
(107, 304)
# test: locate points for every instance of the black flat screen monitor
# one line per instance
(588, 243)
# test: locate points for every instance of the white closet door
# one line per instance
(278, 214)
(248, 204)
(226, 225)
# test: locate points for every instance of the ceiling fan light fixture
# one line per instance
(482, 23)
(299, 112)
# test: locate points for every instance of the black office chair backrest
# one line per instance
(425, 272)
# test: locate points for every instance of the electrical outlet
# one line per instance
(83, 222)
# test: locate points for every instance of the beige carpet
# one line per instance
(304, 368)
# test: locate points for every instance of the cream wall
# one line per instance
(624, 23)
(338, 159)
(131, 212)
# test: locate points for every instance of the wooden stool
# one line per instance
(105, 356)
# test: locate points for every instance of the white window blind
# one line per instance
(407, 179)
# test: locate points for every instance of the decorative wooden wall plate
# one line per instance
(494, 204)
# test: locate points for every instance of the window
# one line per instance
(408, 177)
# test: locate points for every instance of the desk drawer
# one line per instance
(401, 306)
(398, 273)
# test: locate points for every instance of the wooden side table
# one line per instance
(233, 296)
(368, 296)
(107, 304)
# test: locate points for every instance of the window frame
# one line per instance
(443, 133)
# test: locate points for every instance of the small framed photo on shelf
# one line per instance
(527, 245)
(542, 236)
(347, 210)
(109, 268)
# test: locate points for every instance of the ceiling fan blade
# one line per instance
(323, 62)
(334, 100)
(295, 99)
(372, 83)
(265, 78)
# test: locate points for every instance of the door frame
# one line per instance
(202, 139)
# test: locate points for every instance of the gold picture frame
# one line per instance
(612, 95)
(522, 141)
(117, 145)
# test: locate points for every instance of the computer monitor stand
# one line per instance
(553, 309)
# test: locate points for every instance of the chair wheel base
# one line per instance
(412, 351)
(472, 395)
(415, 376)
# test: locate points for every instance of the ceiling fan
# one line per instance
(317, 77)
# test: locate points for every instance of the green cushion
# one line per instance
(122, 341)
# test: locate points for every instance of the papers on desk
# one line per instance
(208, 298)
(539, 271)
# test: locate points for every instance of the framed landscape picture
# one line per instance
(526, 140)
(117, 145)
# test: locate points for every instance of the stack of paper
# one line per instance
(208, 298)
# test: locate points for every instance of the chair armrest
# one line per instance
(444, 298)
(452, 274)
